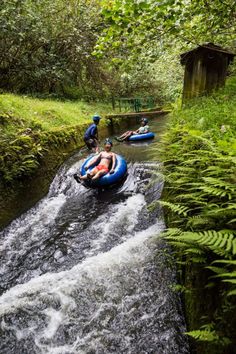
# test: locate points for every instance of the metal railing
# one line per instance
(135, 104)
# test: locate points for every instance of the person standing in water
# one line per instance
(142, 130)
(91, 134)
(107, 162)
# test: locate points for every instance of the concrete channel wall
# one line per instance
(23, 194)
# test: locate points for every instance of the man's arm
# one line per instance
(95, 159)
(140, 130)
(113, 163)
(94, 134)
(146, 130)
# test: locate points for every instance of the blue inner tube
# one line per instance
(108, 179)
(135, 137)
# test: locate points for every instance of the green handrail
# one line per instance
(135, 104)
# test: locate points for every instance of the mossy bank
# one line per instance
(36, 137)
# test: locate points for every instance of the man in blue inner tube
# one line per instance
(107, 161)
(91, 134)
(142, 130)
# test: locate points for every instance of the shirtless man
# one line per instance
(107, 161)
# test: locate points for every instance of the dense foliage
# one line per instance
(94, 49)
(135, 22)
(46, 47)
(199, 149)
(146, 37)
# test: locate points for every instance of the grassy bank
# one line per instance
(199, 150)
(31, 127)
(50, 114)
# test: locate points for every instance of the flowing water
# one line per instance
(87, 272)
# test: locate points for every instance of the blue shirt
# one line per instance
(91, 132)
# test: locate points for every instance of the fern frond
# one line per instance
(219, 183)
(234, 247)
(216, 270)
(198, 220)
(175, 208)
(195, 250)
(178, 244)
(225, 261)
(172, 232)
(231, 221)
(198, 260)
(204, 335)
(229, 275)
(220, 242)
(231, 293)
(232, 281)
(195, 198)
(214, 191)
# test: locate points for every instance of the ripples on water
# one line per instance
(85, 272)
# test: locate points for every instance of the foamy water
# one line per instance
(86, 272)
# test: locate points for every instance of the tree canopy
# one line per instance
(140, 22)
(49, 43)
(97, 48)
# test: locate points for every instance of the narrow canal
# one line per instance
(86, 272)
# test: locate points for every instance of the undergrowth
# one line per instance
(199, 200)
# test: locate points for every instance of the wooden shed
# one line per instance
(205, 69)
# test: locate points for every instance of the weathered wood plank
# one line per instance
(205, 69)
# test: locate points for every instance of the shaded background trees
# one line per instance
(93, 49)
(46, 47)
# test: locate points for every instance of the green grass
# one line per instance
(213, 117)
(50, 114)
(210, 113)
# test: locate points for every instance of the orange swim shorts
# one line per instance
(102, 168)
